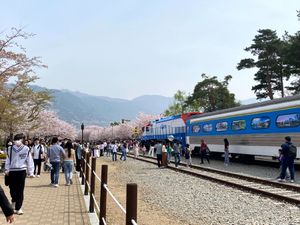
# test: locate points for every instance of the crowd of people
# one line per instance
(25, 157)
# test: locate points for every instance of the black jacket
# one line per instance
(5, 205)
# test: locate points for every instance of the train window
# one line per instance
(222, 126)
(288, 120)
(260, 122)
(238, 125)
(207, 127)
(196, 128)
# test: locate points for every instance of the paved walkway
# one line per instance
(46, 205)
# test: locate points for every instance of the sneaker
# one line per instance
(56, 185)
(71, 182)
(38, 176)
(292, 181)
(19, 212)
(32, 176)
(280, 180)
(67, 184)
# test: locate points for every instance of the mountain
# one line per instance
(76, 107)
(251, 101)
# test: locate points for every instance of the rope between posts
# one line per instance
(96, 204)
(133, 222)
(89, 166)
(113, 197)
(98, 178)
(87, 183)
(103, 220)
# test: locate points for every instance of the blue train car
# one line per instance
(162, 128)
(256, 130)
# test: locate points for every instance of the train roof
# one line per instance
(250, 106)
(174, 117)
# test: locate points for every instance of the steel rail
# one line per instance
(241, 176)
(268, 184)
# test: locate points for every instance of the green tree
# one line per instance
(179, 105)
(212, 94)
(292, 59)
(272, 70)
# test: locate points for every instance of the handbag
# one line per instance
(6, 180)
(7, 177)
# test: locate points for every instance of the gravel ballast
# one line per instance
(193, 201)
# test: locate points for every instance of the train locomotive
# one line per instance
(161, 129)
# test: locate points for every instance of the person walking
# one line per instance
(169, 152)
(136, 149)
(164, 155)
(226, 152)
(188, 155)
(78, 147)
(204, 152)
(6, 207)
(289, 152)
(38, 154)
(55, 153)
(18, 161)
(69, 160)
(176, 152)
(114, 150)
(101, 146)
(151, 151)
(96, 151)
(158, 148)
(123, 151)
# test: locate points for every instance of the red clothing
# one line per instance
(203, 147)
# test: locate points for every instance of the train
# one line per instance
(252, 130)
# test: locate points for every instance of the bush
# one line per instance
(3, 156)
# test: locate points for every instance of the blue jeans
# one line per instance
(169, 156)
(177, 158)
(55, 172)
(226, 158)
(287, 162)
(123, 156)
(114, 156)
(68, 165)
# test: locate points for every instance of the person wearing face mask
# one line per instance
(37, 152)
(19, 160)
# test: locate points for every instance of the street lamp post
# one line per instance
(82, 128)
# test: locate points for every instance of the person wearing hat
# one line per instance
(17, 163)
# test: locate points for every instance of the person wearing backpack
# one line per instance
(289, 153)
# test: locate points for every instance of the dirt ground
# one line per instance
(148, 214)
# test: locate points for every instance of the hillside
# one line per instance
(76, 107)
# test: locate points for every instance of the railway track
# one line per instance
(280, 191)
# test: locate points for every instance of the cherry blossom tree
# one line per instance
(118, 130)
(50, 125)
(18, 102)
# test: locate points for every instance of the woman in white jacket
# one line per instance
(19, 161)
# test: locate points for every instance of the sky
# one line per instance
(128, 48)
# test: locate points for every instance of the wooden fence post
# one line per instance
(103, 194)
(87, 174)
(92, 191)
(131, 203)
(82, 167)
